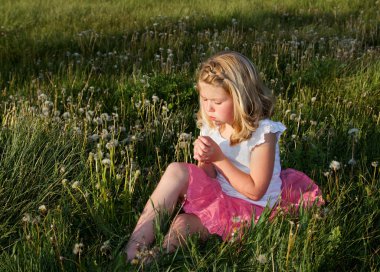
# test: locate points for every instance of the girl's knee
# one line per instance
(177, 168)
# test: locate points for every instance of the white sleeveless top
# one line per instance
(240, 155)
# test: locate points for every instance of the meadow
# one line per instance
(97, 98)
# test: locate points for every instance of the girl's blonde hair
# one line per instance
(252, 100)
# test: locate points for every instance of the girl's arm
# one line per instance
(252, 185)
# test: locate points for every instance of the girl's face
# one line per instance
(216, 103)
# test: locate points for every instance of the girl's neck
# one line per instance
(226, 131)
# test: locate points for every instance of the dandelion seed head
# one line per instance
(353, 131)
(27, 218)
(64, 182)
(155, 99)
(78, 248)
(335, 165)
(262, 259)
(106, 162)
(75, 185)
(42, 209)
(352, 162)
(106, 247)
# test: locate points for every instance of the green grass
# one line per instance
(76, 76)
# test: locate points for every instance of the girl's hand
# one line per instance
(206, 150)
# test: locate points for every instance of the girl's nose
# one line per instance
(209, 106)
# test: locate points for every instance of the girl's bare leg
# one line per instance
(182, 226)
(172, 186)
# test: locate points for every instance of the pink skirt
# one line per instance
(226, 216)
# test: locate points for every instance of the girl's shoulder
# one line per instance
(266, 126)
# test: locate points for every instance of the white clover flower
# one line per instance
(42, 209)
(335, 165)
(375, 164)
(78, 248)
(353, 131)
(262, 259)
(75, 185)
(313, 99)
(326, 174)
(64, 182)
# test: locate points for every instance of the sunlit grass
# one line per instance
(98, 98)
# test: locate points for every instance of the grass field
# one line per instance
(97, 98)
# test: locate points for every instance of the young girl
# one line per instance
(238, 172)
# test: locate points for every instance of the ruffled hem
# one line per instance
(266, 126)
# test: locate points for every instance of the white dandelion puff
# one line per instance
(106, 162)
(27, 218)
(42, 209)
(75, 185)
(78, 248)
(262, 259)
(353, 131)
(335, 165)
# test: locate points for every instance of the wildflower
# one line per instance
(375, 163)
(93, 137)
(66, 115)
(64, 182)
(353, 131)
(26, 218)
(42, 97)
(78, 248)
(106, 162)
(42, 209)
(185, 137)
(112, 144)
(313, 123)
(313, 99)
(105, 134)
(105, 117)
(262, 259)
(326, 174)
(352, 162)
(62, 169)
(155, 99)
(335, 165)
(106, 247)
(75, 185)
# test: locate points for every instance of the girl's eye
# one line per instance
(218, 103)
